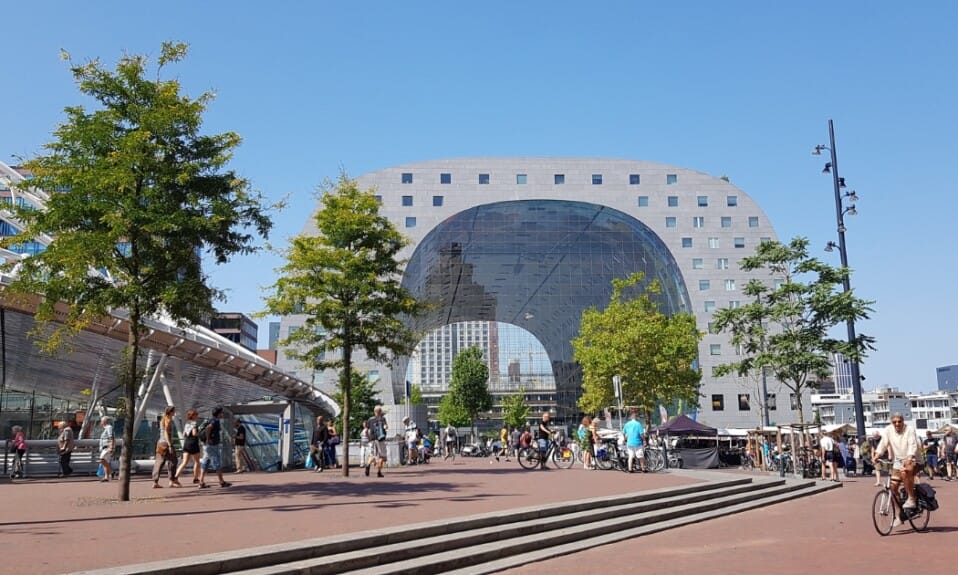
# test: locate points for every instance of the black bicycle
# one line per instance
(562, 456)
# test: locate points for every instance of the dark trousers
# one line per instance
(65, 469)
(329, 455)
(168, 458)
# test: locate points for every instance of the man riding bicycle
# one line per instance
(544, 436)
(902, 444)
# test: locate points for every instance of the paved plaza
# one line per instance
(51, 526)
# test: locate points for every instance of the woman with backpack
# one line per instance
(191, 445)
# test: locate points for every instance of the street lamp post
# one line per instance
(840, 210)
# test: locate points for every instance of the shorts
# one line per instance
(543, 444)
(830, 457)
(378, 449)
(932, 460)
(106, 454)
(635, 451)
(951, 457)
(212, 457)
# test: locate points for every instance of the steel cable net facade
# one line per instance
(537, 264)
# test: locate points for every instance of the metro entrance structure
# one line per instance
(533, 242)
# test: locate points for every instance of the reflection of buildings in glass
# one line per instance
(515, 372)
(435, 353)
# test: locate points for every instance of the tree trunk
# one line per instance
(126, 453)
(347, 387)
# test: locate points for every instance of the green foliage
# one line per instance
(469, 383)
(451, 412)
(415, 395)
(363, 401)
(786, 329)
(653, 353)
(346, 281)
(135, 191)
(515, 410)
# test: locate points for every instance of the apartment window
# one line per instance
(734, 304)
(729, 285)
(738, 242)
(596, 179)
(770, 402)
(713, 243)
(704, 285)
(793, 401)
(763, 240)
(670, 222)
(673, 201)
(726, 221)
(715, 349)
(721, 264)
(634, 179)
(718, 402)
(709, 306)
(559, 179)
(731, 201)
(379, 199)
(410, 221)
(671, 179)
(445, 178)
(407, 200)
(483, 179)
(753, 221)
(686, 242)
(521, 178)
(703, 201)
(698, 222)
(437, 201)
(696, 263)
(743, 402)
(643, 201)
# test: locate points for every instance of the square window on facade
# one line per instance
(671, 179)
(670, 222)
(521, 178)
(483, 178)
(715, 349)
(753, 221)
(734, 304)
(721, 264)
(713, 243)
(703, 201)
(437, 201)
(559, 179)
(634, 179)
(763, 240)
(698, 222)
(696, 263)
(793, 401)
(596, 179)
(379, 199)
(718, 402)
(729, 285)
(673, 201)
(743, 404)
(686, 242)
(726, 221)
(445, 178)
(410, 221)
(739, 242)
(407, 200)
(770, 402)
(643, 201)
(704, 285)
(709, 306)
(731, 201)
(407, 178)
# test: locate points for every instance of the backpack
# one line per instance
(926, 493)
(201, 430)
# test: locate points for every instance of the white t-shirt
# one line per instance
(827, 443)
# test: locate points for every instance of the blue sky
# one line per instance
(743, 89)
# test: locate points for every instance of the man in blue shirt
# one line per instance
(633, 432)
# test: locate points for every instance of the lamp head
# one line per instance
(828, 168)
(817, 150)
(852, 196)
(850, 210)
(841, 182)
(830, 246)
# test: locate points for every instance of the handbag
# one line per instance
(191, 444)
(309, 461)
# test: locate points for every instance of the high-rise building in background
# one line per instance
(236, 327)
(948, 378)
(435, 353)
(273, 334)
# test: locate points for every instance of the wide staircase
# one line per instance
(496, 541)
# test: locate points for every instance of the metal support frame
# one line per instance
(145, 394)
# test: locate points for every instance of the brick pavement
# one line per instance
(55, 526)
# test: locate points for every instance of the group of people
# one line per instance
(202, 446)
(322, 445)
(632, 434)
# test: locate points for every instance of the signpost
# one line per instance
(617, 390)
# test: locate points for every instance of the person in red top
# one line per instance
(525, 440)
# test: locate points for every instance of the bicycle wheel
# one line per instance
(603, 458)
(563, 457)
(528, 457)
(654, 460)
(883, 512)
(919, 519)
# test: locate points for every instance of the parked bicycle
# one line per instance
(561, 455)
(888, 513)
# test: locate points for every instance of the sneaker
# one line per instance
(895, 522)
(226, 484)
(379, 474)
(196, 480)
(204, 485)
(104, 480)
(910, 504)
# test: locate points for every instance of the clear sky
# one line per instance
(743, 89)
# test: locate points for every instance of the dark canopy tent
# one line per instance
(692, 458)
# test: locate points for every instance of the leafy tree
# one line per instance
(515, 410)
(451, 412)
(469, 383)
(363, 399)
(415, 395)
(135, 192)
(785, 329)
(346, 281)
(652, 352)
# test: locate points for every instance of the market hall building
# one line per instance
(534, 242)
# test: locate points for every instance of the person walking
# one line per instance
(449, 441)
(332, 440)
(949, 446)
(19, 445)
(191, 445)
(364, 442)
(633, 431)
(107, 447)
(65, 446)
(377, 430)
(586, 442)
(317, 446)
(873, 442)
(165, 450)
(932, 446)
(212, 450)
(239, 446)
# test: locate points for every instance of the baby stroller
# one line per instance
(851, 466)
